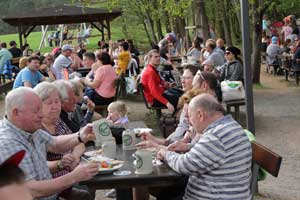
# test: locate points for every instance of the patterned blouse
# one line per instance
(60, 129)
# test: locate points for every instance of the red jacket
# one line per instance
(154, 86)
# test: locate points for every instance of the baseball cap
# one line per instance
(67, 47)
(274, 40)
(15, 159)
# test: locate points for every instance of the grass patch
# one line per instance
(259, 86)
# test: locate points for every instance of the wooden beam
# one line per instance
(97, 27)
(108, 29)
(26, 33)
(20, 37)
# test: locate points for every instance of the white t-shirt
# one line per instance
(61, 62)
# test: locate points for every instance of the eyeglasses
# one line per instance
(199, 73)
(227, 53)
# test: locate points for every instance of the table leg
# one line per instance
(140, 193)
(124, 194)
(237, 113)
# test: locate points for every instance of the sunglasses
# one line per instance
(199, 73)
(227, 53)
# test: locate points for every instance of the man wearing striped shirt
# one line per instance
(219, 165)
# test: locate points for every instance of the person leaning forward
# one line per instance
(20, 129)
(219, 164)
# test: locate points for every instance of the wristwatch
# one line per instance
(79, 138)
(60, 166)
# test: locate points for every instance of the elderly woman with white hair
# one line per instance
(58, 163)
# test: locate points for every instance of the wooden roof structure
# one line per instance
(27, 20)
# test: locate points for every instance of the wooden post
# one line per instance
(108, 29)
(20, 37)
(61, 35)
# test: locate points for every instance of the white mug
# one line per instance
(143, 161)
(102, 132)
(128, 139)
(109, 148)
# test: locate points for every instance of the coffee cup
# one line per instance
(109, 148)
(143, 161)
(128, 139)
(102, 132)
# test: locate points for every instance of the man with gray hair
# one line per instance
(219, 164)
(20, 130)
(68, 103)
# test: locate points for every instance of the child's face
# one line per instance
(113, 115)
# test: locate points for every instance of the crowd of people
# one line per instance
(46, 121)
(284, 42)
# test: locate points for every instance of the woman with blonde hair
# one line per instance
(150, 141)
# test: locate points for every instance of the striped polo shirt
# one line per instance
(218, 165)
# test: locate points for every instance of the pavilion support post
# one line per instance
(108, 29)
(247, 65)
(61, 35)
(20, 37)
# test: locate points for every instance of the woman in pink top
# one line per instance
(104, 82)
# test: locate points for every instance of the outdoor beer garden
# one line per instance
(166, 100)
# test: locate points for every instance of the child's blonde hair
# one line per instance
(118, 106)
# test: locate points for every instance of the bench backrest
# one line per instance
(141, 91)
(266, 158)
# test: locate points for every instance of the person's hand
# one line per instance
(146, 136)
(85, 171)
(146, 144)
(179, 146)
(67, 160)
(75, 163)
(161, 154)
(170, 107)
(86, 133)
(91, 105)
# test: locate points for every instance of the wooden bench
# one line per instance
(265, 158)
(236, 104)
(6, 87)
(148, 106)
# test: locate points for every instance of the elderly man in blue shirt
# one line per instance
(5, 56)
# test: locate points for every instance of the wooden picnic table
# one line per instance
(83, 71)
(161, 176)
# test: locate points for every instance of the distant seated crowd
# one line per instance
(44, 117)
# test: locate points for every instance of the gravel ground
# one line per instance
(277, 117)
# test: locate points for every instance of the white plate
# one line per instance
(110, 170)
(140, 130)
(93, 153)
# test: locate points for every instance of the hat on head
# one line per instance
(15, 159)
(234, 50)
(274, 40)
(67, 47)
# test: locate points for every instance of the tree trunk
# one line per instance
(219, 28)
(226, 24)
(201, 19)
(159, 30)
(256, 45)
(167, 22)
(151, 26)
(147, 33)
